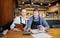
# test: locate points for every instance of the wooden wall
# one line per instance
(6, 11)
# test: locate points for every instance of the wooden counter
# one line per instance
(52, 18)
(55, 32)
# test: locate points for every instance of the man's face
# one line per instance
(23, 12)
(35, 13)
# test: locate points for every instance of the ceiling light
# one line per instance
(32, 3)
(22, 2)
(49, 4)
(57, 4)
(41, 3)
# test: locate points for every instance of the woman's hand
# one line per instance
(25, 29)
(16, 29)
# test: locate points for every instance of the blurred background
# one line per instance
(49, 9)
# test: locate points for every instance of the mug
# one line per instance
(39, 27)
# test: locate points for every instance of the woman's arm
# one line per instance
(17, 21)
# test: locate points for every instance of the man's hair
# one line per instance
(35, 10)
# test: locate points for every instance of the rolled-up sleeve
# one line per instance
(44, 22)
(17, 21)
(12, 26)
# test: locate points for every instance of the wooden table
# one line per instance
(55, 32)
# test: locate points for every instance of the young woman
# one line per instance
(20, 19)
(36, 20)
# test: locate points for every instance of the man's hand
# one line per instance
(42, 28)
(28, 29)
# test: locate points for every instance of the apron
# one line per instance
(35, 23)
(22, 23)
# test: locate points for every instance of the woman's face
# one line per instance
(23, 12)
(35, 13)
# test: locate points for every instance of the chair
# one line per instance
(1, 30)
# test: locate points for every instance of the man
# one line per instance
(36, 20)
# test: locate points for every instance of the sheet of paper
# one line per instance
(41, 35)
(37, 31)
(5, 32)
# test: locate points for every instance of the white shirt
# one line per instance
(17, 21)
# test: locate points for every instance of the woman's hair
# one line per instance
(22, 9)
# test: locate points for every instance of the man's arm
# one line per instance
(45, 23)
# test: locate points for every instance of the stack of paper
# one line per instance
(5, 32)
(41, 35)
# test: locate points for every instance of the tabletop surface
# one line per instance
(55, 32)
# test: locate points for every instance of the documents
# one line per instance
(40, 34)
(37, 31)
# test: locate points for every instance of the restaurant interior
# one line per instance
(49, 9)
